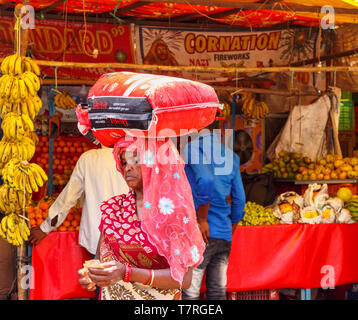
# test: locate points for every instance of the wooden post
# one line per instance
(22, 249)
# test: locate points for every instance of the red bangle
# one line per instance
(127, 273)
(150, 278)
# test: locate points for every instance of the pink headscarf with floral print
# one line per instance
(168, 213)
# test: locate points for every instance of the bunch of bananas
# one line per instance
(31, 106)
(20, 78)
(12, 201)
(15, 65)
(64, 101)
(23, 149)
(16, 126)
(23, 175)
(253, 108)
(14, 229)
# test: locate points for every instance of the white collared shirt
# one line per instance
(96, 176)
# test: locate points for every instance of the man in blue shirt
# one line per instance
(213, 171)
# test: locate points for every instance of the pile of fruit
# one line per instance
(256, 214)
(315, 206)
(291, 165)
(253, 108)
(37, 214)
(19, 105)
(350, 201)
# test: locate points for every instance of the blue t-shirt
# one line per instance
(213, 171)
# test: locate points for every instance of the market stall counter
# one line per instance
(262, 257)
(293, 256)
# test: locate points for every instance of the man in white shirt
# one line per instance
(96, 176)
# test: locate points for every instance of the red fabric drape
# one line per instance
(293, 256)
(55, 262)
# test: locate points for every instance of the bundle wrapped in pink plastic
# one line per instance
(137, 104)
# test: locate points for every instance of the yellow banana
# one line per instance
(29, 85)
(34, 66)
(3, 81)
(27, 120)
(32, 181)
(4, 223)
(31, 109)
(38, 178)
(18, 65)
(38, 104)
(12, 61)
(36, 167)
(5, 65)
(27, 65)
(23, 89)
(34, 78)
(7, 90)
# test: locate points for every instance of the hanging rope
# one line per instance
(94, 55)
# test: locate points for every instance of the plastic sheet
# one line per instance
(55, 263)
(293, 256)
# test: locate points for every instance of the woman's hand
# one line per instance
(85, 281)
(111, 273)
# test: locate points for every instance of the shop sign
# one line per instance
(175, 47)
(60, 40)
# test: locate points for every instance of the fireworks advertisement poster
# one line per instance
(174, 47)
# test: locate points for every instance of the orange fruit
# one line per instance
(66, 223)
(70, 228)
(72, 149)
(32, 215)
(44, 214)
(77, 217)
(39, 221)
(70, 217)
(30, 209)
(38, 215)
(75, 223)
(62, 143)
(44, 206)
(33, 223)
(58, 149)
(77, 228)
(62, 228)
(66, 149)
(44, 149)
(56, 161)
(76, 144)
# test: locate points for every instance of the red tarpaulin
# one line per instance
(55, 262)
(262, 257)
(293, 256)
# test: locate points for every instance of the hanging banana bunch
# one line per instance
(12, 201)
(19, 106)
(23, 175)
(64, 101)
(253, 108)
(14, 229)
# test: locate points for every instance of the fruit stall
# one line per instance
(265, 79)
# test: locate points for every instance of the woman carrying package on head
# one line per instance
(150, 240)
